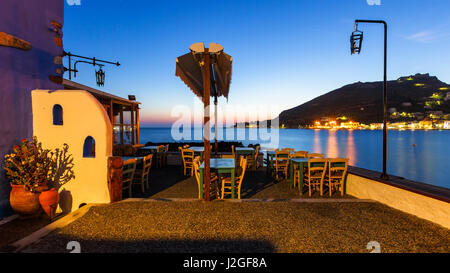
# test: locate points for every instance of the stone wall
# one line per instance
(23, 70)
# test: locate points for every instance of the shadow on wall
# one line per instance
(65, 201)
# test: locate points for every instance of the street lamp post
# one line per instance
(355, 43)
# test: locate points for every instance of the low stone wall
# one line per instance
(422, 200)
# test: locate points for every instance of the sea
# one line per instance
(422, 156)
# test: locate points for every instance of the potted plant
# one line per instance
(27, 168)
(60, 173)
(35, 174)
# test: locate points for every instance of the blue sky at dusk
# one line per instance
(284, 52)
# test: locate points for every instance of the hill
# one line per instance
(411, 97)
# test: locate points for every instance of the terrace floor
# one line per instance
(252, 227)
(151, 223)
(169, 182)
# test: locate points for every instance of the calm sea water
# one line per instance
(427, 161)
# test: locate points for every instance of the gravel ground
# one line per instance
(254, 227)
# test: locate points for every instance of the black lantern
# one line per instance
(356, 41)
(100, 77)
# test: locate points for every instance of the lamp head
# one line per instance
(100, 77)
(356, 41)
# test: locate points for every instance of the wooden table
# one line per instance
(245, 151)
(269, 156)
(198, 150)
(301, 163)
(138, 158)
(152, 149)
(222, 165)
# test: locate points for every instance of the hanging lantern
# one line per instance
(100, 77)
(356, 41)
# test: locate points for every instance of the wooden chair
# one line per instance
(290, 150)
(252, 160)
(214, 187)
(141, 175)
(158, 156)
(281, 163)
(188, 158)
(315, 175)
(226, 182)
(316, 155)
(181, 157)
(227, 156)
(165, 153)
(335, 177)
(297, 154)
(128, 169)
(233, 152)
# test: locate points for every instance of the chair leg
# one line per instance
(143, 185)
(309, 186)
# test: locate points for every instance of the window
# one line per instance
(57, 115)
(89, 147)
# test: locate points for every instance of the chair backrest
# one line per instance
(166, 148)
(316, 155)
(185, 146)
(227, 156)
(281, 159)
(281, 155)
(196, 165)
(318, 166)
(186, 154)
(147, 164)
(243, 165)
(128, 170)
(337, 167)
(159, 148)
(257, 152)
(288, 150)
(299, 154)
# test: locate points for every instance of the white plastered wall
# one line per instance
(83, 116)
(422, 206)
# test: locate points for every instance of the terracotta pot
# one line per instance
(23, 202)
(49, 201)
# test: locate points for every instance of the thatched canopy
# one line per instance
(189, 68)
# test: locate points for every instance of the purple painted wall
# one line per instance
(22, 71)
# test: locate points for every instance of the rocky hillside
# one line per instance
(363, 102)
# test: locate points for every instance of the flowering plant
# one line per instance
(35, 168)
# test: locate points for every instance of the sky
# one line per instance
(285, 53)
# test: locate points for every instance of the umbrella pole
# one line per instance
(206, 124)
(216, 148)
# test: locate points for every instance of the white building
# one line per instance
(78, 118)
